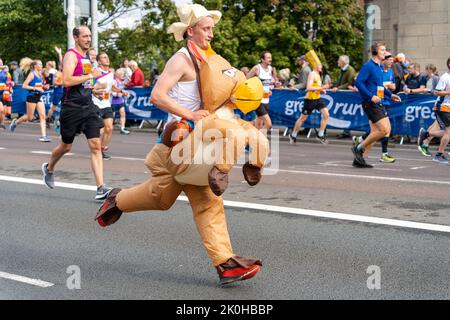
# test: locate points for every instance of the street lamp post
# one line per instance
(70, 22)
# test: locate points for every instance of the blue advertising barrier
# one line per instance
(415, 110)
(138, 106)
(345, 108)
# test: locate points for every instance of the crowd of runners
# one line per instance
(375, 83)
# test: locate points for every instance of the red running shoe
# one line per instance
(238, 269)
(108, 212)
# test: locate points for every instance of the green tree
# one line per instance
(31, 28)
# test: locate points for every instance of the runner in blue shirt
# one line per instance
(370, 85)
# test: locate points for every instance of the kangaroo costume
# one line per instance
(222, 89)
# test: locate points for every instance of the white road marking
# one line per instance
(126, 158)
(380, 178)
(447, 183)
(34, 282)
(418, 168)
(2, 148)
(49, 153)
(270, 208)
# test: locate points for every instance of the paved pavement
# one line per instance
(158, 255)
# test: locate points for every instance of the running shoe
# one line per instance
(358, 154)
(45, 139)
(423, 134)
(13, 125)
(292, 139)
(124, 131)
(358, 164)
(109, 213)
(48, 177)
(424, 150)
(105, 156)
(387, 158)
(106, 148)
(2, 126)
(238, 269)
(322, 139)
(440, 159)
(102, 192)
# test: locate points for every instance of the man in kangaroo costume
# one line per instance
(177, 92)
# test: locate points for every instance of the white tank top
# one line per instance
(266, 79)
(185, 93)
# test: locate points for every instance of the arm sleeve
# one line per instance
(360, 82)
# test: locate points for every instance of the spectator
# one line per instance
(284, 79)
(137, 78)
(415, 82)
(347, 77)
(127, 70)
(401, 65)
(353, 88)
(399, 80)
(345, 82)
(154, 76)
(432, 77)
(17, 74)
(302, 77)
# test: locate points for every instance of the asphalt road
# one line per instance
(158, 255)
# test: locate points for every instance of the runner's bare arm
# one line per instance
(69, 65)
(175, 69)
(253, 73)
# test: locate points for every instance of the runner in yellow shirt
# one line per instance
(313, 101)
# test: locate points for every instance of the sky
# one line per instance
(129, 20)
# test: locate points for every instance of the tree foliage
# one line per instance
(249, 27)
(32, 28)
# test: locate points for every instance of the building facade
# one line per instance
(418, 28)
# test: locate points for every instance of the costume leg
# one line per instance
(157, 193)
(209, 216)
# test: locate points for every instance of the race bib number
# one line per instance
(87, 66)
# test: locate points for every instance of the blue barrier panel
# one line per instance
(345, 108)
(138, 106)
(415, 110)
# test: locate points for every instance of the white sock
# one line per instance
(294, 133)
(321, 132)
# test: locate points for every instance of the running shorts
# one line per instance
(106, 113)
(311, 105)
(443, 118)
(375, 112)
(262, 110)
(80, 119)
